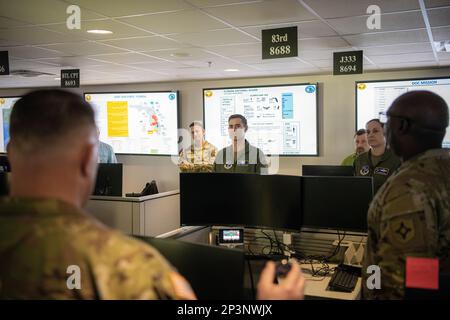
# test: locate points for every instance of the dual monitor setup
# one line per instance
(275, 201)
(235, 201)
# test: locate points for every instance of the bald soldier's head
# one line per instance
(53, 147)
(417, 122)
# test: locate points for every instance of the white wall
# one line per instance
(336, 119)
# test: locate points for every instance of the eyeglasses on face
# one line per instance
(385, 115)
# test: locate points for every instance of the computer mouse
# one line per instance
(282, 268)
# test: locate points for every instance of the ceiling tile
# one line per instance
(322, 63)
(124, 58)
(28, 52)
(213, 38)
(31, 36)
(155, 65)
(321, 43)
(83, 48)
(11, 23)
(283, 62)
(144, 43)
(436, 3)
(279, 65)
(321, 54)
(119, 30)
(259, 13)
(389, 22)
(180, 22)
(40, 12)
(76, 62)
(215, 3)
(441, 33)
(117, 8)
(398, 48)
(345, 8)
(439, 17)
(113, 68)
(237, 50)
(443, 56)
(182, 54)
(216, 64)
(405, 65)
(402, 58)
(313, 29)
(386, 38)
(32, 65)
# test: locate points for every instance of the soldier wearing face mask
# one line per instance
(240, 156)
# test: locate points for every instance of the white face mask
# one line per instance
(238, 133)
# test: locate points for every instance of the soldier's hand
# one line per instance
(291, 288)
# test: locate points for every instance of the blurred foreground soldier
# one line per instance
(410, 215)
(200, 155)
(49, 247)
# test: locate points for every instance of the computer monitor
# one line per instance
(339, 203)
(109, 180)
(221, 199)
(4, 183)
(327, 171)
(4, 164)
(213, 272)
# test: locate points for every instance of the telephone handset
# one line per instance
(149, 189)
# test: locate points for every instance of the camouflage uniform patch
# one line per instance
(402, 230)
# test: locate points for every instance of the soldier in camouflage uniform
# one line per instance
(410, 215)
(44, 231)
(40, 239)
(200, 155)
(49, 247)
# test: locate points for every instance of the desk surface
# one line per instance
(136, 199)
(316, 287)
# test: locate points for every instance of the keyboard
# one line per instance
(344, 278)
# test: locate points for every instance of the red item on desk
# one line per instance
(422, 273)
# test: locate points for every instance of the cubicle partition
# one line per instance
(146, 216)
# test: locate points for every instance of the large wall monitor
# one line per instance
(137, 122)
(282, 119)
(6, 104)
(374, 97)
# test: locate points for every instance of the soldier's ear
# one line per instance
(404, 125)
(88, 160)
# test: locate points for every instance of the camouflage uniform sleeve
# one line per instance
(371, 257)
(135, 271)
(181, 157)
(405, 225)
(214, 152)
